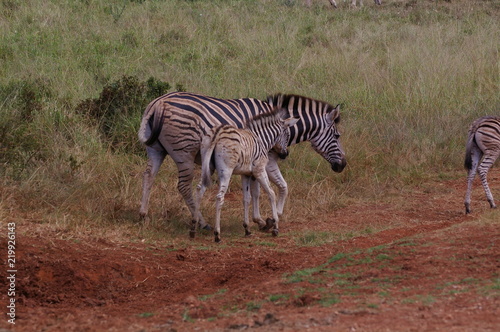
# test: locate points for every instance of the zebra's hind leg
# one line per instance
(155, 159)
(184, 186)
(200, 191)
(483, 169)
(476, 156)
(245, 182)
(224, 178)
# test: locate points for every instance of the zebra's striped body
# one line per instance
(244, 152)
(482, 149)
(176, 123)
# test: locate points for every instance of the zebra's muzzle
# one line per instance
(339, 166)
(283, 155)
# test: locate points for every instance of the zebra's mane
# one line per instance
(265, 118)
(284, 100)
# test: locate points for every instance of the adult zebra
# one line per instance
(483, 141)
(175, 124)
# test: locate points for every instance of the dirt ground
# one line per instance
(429, 268)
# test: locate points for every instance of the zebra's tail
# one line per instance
(151, 125)
(207, 150)
(471, 141)
(468, 151)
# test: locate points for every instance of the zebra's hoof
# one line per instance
(247, 233)
(217, 240)
(269, 224)
(192, 234)
(275, 232)
(207, 227)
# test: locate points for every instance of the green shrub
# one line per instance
(118, 110)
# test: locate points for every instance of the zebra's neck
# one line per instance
(266, 128)
(309, 111)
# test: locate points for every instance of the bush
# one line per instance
(119, 108)
(21, 102)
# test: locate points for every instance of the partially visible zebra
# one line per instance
(332, 2)
(174, 124)
(244, 152)
(482, 149)
(353, 3)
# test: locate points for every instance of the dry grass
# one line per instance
(410, 76)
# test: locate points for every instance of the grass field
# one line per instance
(383, 246)
(410, 76)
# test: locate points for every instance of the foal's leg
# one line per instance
(224, 177)
(256, 217)
(155, 159)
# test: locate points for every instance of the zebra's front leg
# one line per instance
(255, 189)
(264, 182)
(276, 177)
(155, 159)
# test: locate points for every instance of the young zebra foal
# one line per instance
(244, 152)
(483, 141)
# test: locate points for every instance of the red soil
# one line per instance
(432, 269)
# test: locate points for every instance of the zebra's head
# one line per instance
(281, 144)
(317, 124)
(327, 142)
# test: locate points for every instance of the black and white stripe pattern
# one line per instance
(175, 124)
(317, 125)
(245, 152)
(482, 150)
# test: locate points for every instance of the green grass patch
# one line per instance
(146, 314)
(278, 298)
(253, 306)
(220, 292)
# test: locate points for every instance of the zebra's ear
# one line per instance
(333, 115)
(291, 121)
(283, 113)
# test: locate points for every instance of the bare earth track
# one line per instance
(430, 268)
